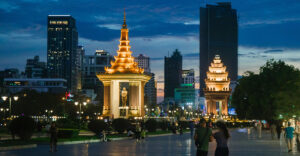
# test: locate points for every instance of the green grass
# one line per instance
(78, 138)
(116, 135)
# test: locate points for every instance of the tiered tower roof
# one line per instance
(217, 76)
(124, 61)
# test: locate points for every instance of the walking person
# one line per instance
(202, 138)
(259, 126)
(138, 131)
(289, 135)
(192, 126)
(53, 137)
(297, 132)
(221, 137)
(273, 130)
(278, 129)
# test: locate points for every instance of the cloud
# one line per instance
(8, 7)
(194, 22)
(110, 26)
(274, 51)
(191, 55)
(269, 21)
(157, 59)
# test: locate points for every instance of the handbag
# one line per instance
(200, 143)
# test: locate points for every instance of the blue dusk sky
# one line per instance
(267, 29)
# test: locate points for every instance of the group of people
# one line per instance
(139, 133)
(204, 135)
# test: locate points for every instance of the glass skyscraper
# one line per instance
(62, 49)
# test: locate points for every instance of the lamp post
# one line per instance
(80, 112)
(48, 112)
(4, 98)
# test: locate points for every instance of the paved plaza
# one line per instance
(240, 144)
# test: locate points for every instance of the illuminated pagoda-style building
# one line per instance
(123, 83)
(217, 89)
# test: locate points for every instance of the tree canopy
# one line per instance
(271, 94)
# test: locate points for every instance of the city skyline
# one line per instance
(154, 24)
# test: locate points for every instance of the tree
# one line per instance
(269, 94)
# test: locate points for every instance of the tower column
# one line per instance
(115, 99)
(141, 95)
(134, 97)
(106, 108)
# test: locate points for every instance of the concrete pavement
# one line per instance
(240, 144)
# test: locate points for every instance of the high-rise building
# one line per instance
(150, 87)
(144, 62)
(93, 64)
(150, 92)
(7, 73)
(79, 62)
(173, 76)
(185, 94)
(188, 78)
(35, 68)
(62, 49)
(218, 35)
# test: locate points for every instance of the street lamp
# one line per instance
(4, 98)
(76, 104)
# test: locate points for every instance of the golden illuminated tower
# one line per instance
(217, 89)
(123, 82)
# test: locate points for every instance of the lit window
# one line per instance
(52, 22)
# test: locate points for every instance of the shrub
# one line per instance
(23, 127)
(97, 126)
(67, 133)
(66, 123)
(151, 125)
(164, 125)
(184, 124)
(120, 125)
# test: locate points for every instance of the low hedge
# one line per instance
(164, 125)
(184, 124)
(151, 125)
(97, 126)
(120, 125)
(66, 123)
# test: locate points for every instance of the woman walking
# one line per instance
(221, 137)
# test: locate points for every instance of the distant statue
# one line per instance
(124, 97)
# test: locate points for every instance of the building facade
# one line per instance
(144, 62)
(7, 73)
(173, 75)
(62, 50)
(93, 64)
(185, 95)
(150, 87)
(35, 68)
(188, 77)
(151, 92)
(218, 35)
(55, 85)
